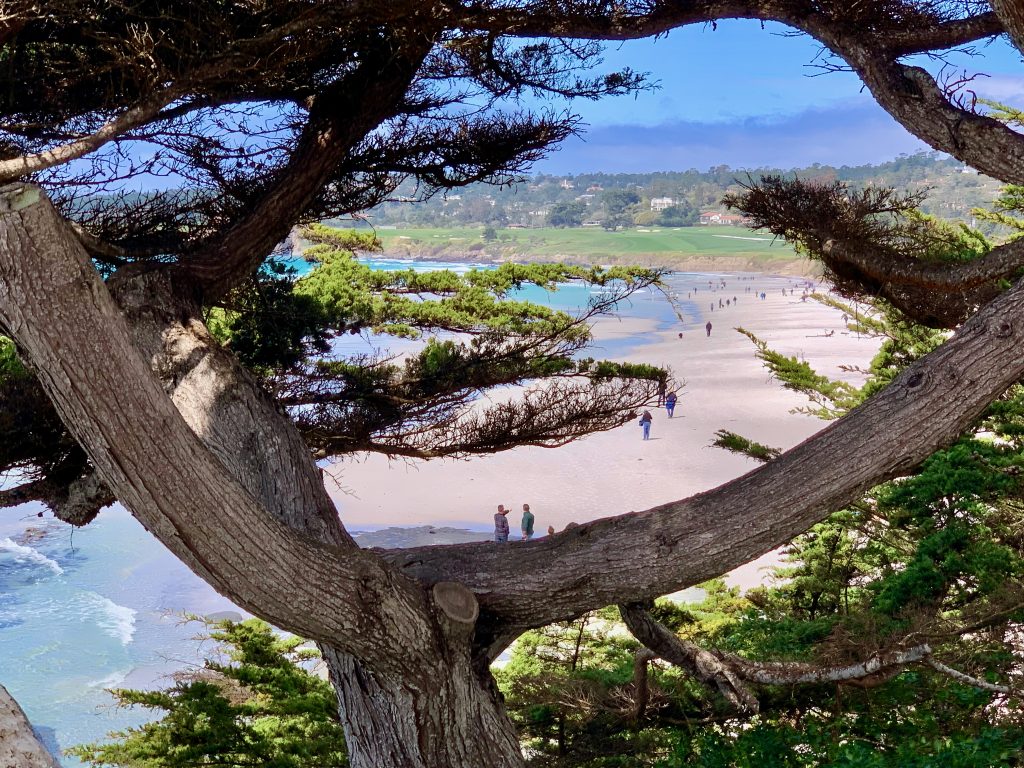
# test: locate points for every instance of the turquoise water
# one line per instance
(99, 607)
(88, 609)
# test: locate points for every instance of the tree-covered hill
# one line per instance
(630, 199)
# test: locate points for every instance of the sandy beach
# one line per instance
(726, 387)
(101, 606)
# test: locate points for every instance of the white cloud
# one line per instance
(848, 134)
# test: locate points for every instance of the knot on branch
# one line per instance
(16, 197)
(915, 380)
(1003, 329)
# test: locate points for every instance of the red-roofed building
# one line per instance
(723, 219)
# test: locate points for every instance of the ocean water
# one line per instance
(648, 304)
(100, 607)
(83, 610)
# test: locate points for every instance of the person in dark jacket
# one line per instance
(645, 422)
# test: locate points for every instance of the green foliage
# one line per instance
(566, 214)
(682, 214)
(406, 302)
(10, 363)
(1003, 112)
(341, 239)
(947, 242)
(33, 439)
(617, 201)
(730, 441)
(1009, 202)
(261, 707)
(563, 688)
(951, 194)
(936, 556)
(569, 688)
(269, 325)
(831, 398)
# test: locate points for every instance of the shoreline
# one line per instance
(406, 503)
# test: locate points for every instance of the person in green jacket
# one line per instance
(527, 526)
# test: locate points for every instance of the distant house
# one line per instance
(595, 188)
(566, 184)
(592, 223)
(723, 219)
(661, 203)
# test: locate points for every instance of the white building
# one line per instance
(661, 203)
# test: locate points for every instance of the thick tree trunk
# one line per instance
(415, 699)
(457, 721)
(451, 717)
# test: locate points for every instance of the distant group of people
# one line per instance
(501, 529)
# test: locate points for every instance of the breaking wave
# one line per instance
(25, 555)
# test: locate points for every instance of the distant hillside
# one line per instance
(671, 198)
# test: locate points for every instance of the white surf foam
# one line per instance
(113, 680)
(23, 554)
(118, 621)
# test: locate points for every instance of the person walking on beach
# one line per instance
(670, 403)
(501, 524)
(527, 524)
(708, 328)
(645, 422)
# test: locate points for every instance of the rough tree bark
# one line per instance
(185, 439)
(419, 693)
(419, 701)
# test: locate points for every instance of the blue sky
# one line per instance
(747, 97)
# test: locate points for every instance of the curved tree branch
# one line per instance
(729, 672)
(908, 93)
(140, 114)
(35, 490)
(869, 247)
(63, 317)
(800, 673)
(1011, 15)
(966, 679)
(938, 37)
(340, 119)
(643, 555)
(700, 664)
(915, 100)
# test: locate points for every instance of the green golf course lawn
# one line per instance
(594, 242)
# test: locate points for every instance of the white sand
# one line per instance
(614, 472)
